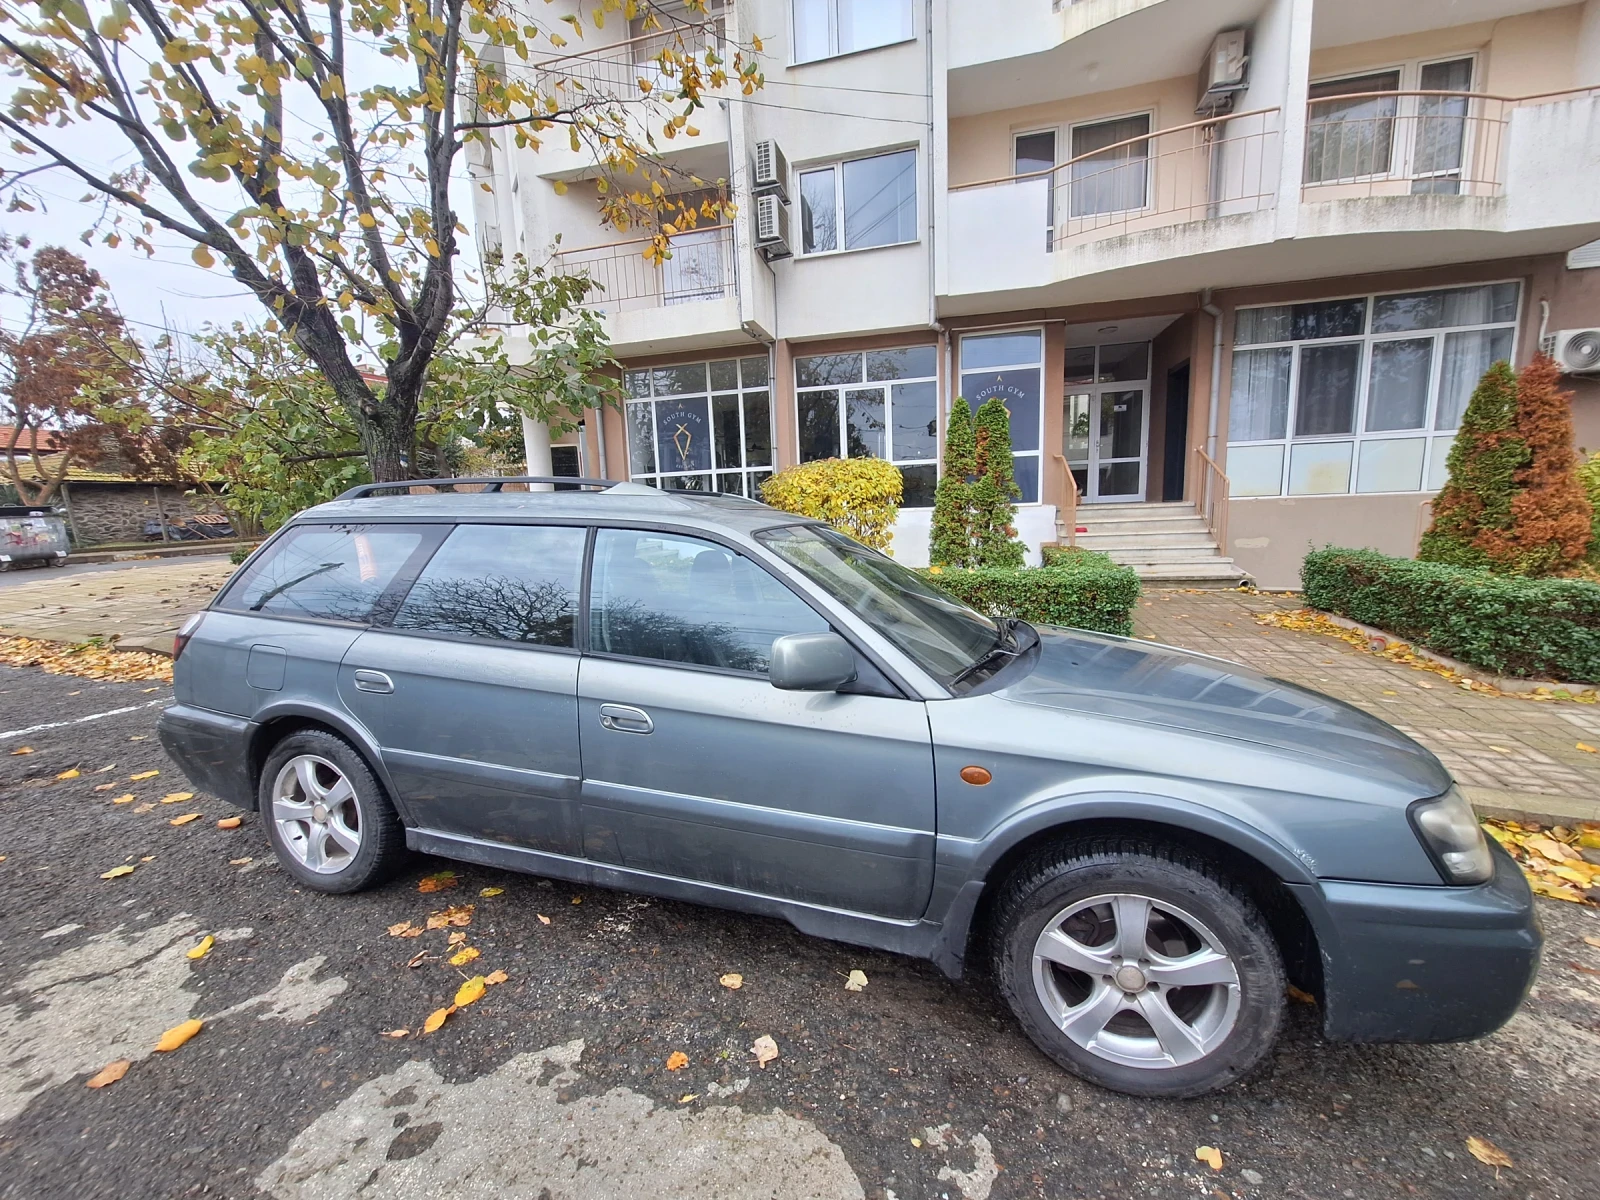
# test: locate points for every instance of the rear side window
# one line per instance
(507, 583)
(330, 572)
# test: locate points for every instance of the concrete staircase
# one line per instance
(1167, 544)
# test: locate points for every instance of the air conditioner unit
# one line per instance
(771, 171)
(772, 227)
(1576, 351)
(1224, 73)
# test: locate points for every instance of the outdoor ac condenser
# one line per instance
(772, 226)
(771, 174)
(1576, 351)
(1224, 73)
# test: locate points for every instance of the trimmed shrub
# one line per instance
(1087, 591)
(951, 544)
(994, 495)
(857, 496)
(1483, 466)
(1589, 479)
(1504, 623)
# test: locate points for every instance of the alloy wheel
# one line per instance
(1136, 981)
(317, 813)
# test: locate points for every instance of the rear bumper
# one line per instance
(1425, 964)
(212, 749)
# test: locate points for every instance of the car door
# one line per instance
(470, 688)
(696, 767)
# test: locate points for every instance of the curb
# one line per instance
(1530, 807)
(156, 550)
(1504, 683)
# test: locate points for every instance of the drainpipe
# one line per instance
(600, 442)
(1215, 313)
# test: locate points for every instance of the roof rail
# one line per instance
(490, 483)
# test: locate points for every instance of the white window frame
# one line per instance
(962, 370)
(887, 387)
(1437, 441)
(1402, 146)
(837, 167)
(1051, 181)
(833, 35)
(1149, 114)
(746, 471)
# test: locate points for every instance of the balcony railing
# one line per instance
(701, 268)
(1212, 168)
(1398, 143)
(625, 71)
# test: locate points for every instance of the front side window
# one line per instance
(860, 203)
(701, 427)
(504, 583)
(943, 636)
(1010, 366)
(328, 572)
(679, 599)
(1359, 395)
(873, 404)
(1110, 172)
(826, 28)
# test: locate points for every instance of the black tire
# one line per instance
(1051, 883)
(381, 848)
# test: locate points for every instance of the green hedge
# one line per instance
(1504, 623)
(1083, 589)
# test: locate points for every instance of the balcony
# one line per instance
(688, 301)
(1185, 192)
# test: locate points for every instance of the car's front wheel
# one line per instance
(327, 816)
(1138, 967)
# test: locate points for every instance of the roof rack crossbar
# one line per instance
(491, 483)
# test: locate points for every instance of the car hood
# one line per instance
(1132, 681)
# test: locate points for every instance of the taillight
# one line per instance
(185, 632)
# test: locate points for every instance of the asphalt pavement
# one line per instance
(556, 1082)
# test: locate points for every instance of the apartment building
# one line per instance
(1233, 266)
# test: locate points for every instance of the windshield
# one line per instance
(944, 636)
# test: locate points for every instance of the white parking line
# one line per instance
(114, 712)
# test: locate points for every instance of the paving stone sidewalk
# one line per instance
(140, 606)
(1524, 749)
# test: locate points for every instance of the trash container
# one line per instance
(34, 535)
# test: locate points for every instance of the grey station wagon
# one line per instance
(703, 698)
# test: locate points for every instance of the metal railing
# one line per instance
(1211, 497)
(629, 70)
(1217, 167)
(1411, 143)
(1067, 506)
(701, 268)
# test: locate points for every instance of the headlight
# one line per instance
(1450, 831)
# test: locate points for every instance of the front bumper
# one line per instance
(212, 749)
(1425, 964)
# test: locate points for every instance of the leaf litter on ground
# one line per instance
(1552, 857)
(86, 661)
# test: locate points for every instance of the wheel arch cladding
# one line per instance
(282, 724)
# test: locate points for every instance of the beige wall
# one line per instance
(1268, 537)
(1171, 348)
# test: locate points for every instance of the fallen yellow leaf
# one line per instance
(178, 1035)
(457, 938)
(1209, 1155)
(577, 899)
(110, 1073)
(185, 819)
(857, 981)
(1298, 996)
(917, 1142)
(765, 1050)
(471, 991)
(463, 956)
(494, 977)
(145, 807)
(543, 920)
(143, 775)
(126, 799)
(105, 787)
(240, 862)
(203, 948)
(491, 891)
(1593, 941)
(458, 915)
(436, 1019)
(1488, 1153)
(1587, 749)
(23, 750)
(398, 929)
(395, 1033)
(230, 822)
(437, 882)
(117, 872)
(677, 1060)
(177, 797)
(689, 1097)
(733, 981)
(72, 774)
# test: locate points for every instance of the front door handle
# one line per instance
(624, 718)
(374, 681)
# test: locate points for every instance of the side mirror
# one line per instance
(812, 662)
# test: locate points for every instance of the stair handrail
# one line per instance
(1212, 499)
(1069, 500)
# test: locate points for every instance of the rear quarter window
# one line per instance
(330, 572)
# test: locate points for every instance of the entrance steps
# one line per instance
(1168, 545)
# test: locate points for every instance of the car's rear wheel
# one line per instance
(1138, 967)
(329, 821)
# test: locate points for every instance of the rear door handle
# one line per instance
(374, 681)
(624, 718)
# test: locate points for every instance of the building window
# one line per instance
(701, 427)
(1110, 172)
(1035, 153)
(876, 404)
(859, 203)
(826, 28)
(1010, 366)
(1359, 395)
(1362, 127)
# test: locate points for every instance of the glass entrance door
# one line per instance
(1105, 423)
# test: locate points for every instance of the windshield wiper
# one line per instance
(295, 582)
(1005, 647)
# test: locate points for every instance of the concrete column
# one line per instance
(1293, 139)
(536, 448)
(1588, 61)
